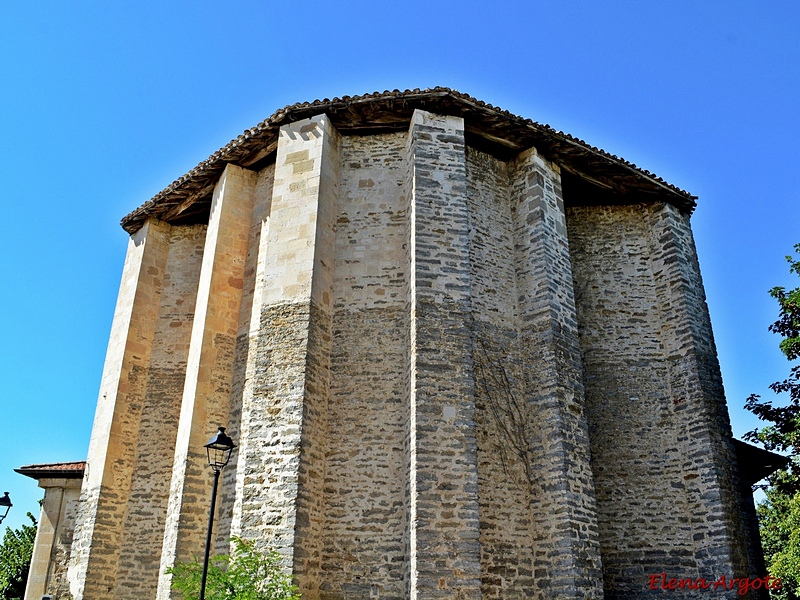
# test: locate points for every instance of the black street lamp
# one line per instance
(5, 502)
(219, 450)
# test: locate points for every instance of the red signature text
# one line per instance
(721, 583)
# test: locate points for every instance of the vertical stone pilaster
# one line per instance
(111, 456)
(209, 368)
(247, 338)
(51, 552)
(443, 521)
(142, 531)
(698, 398)
(282, 457)
(45, 537)
(566, 548)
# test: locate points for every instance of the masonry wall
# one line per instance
(442, 383)
(245, 362)
(363, 550)
(143, 525)
(503, 423)
(635, 452)
(123, 495)
(205, 402)
(663, 487)
(285, 402)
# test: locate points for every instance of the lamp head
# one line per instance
(219, 450)
(5, 503)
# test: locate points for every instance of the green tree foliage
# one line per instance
(779, 514)
(15, 560)
(245, 575)
(779, 523)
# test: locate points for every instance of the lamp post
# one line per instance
(5, 502)
(219, 450)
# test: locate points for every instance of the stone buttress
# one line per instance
(659, 430)
(120, 526)
(446, 377)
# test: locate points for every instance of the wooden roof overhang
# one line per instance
(756, 463)
(487, 128)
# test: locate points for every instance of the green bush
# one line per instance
(779, 517)
(246, 574)
(15, 560)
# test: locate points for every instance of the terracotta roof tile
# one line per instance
(505, 133)
(40, 471)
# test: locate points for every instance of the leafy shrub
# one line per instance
(15, 560)
(246, 574)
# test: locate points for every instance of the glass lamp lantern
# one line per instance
(219, 450)
(5, 506)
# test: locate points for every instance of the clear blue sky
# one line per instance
(103, 104)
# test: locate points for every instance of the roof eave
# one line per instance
(53, 471)
(393, 110)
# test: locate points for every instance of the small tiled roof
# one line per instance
(68, 470)
(487, 127)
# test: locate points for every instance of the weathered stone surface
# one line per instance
(446, 378)
(538, 523)
(566, 551)
(122, 501)
(205, 404)
(444, 546)
(245, 360)
(284, 413)
(660, 436)
(143, 528)
(504, 428)
(365, 521)
(54, 536)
